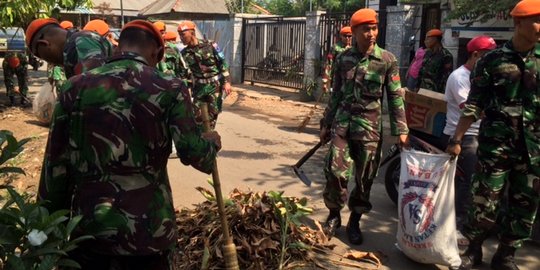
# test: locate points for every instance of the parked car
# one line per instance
(11, 39)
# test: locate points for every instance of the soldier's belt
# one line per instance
(210, 80)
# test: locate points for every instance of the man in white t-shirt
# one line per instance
(456, 93)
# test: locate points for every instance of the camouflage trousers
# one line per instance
(496, 173)
(89, 260)
(212, 95)
(350, 159)
(22, 79)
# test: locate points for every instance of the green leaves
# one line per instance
(479, 10)
(10, 148)
(31, 238)
(21, 12)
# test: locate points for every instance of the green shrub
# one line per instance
(30, 236)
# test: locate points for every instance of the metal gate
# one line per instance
(331, 23)
(274, 51)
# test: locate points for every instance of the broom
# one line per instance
(306, 120)
(229, 248)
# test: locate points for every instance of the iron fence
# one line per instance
(274, 51)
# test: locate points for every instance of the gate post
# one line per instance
(399, 29)
(236, 68)
(312, 57)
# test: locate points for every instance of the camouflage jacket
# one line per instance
(107, 153)
(23, 60)
(205, 60)
(83, 51)
(505, 86)
(338, 48)
(173, 62)
(436, 67)
(56, 73)
(56, 76)
(354, 108)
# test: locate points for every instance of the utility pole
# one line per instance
(122, 13)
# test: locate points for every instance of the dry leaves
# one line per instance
(255, 222)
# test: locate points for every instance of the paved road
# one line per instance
(256, 155)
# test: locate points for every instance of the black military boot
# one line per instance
(472, 256)
(504, 258)
(11, 101)
(353, 229)
(332, 223)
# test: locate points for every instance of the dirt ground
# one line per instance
(281, 107)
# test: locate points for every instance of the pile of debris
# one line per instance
(266, 229)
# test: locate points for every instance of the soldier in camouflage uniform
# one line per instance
(505, 87)
(210, 71)
(16, 63)
(345, 40)
(75, 51)
(106, 157)
(361, 73)
(437, 65)
(172, 62)
(56, 76)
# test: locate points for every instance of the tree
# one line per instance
(300, 7)
(21, 12)
(235, 6)
(479, 10)
(474, 10)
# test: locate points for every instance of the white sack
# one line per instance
(427, 219)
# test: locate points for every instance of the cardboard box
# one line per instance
(426, 111)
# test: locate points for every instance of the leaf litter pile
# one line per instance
(267, 231)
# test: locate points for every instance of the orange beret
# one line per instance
(66, 24)
(98, 26)
(526, 8)
(170, 36)
(364, 15)
(160, 25)
(150, 28)
(345, 30)
(186, 25)
(434, 33)
(35, 26)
